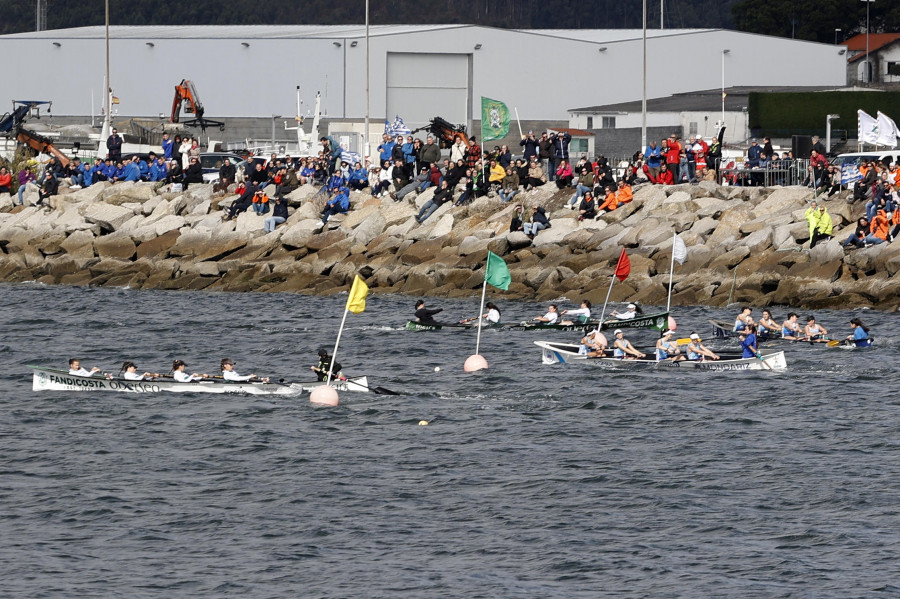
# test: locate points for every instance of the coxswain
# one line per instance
(321, 369)
(75, 368)
(229, 374)
(748, 342)
(424, 315)
(860, 336)
(181, 376)
(129, 373)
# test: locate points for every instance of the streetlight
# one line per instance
(836, 33)
(724, 52)
(868, 66)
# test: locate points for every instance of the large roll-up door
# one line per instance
(421, 86)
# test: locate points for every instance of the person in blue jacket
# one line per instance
(131, 171)
(359, 177)
(860, 336)
(87, 174)
(748, 342)
(119, 171)
(158, 170)
(332, 152)
(339, 204)
(167, 146)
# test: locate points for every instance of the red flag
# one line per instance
(623, 266)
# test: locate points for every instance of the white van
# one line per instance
(886, 156)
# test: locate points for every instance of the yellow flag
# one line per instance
(356, 301)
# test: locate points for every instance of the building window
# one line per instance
(692, 128)
(590, 122)
(893, 68)
(609, 122)
(578, 145)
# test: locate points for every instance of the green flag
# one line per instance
(494, 119)
(496, 272)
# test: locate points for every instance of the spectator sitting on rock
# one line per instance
(25, 176)
(5, 181)
(260, 202)
(456, 173)
(510, 185)
(496, 174)
(864, 187)
(882, 200)
(243, 201)
(443, 195)
(194, 173)
(588, 207)
(339, 204)
(289, 181)
(624, 193)
(820, 224)
(75, 174)
(359, 178)
(410, 187)
(119, 173)
(435, 177)
(468, 193)
(879, 229)
(227, 174)
(858, 238)
(174, 174)
(158, 170)
(536, 223)
(665, 175)
(384, 179)
(279, 214)
(259, 177)
(133, 171)
(400, 175)
(49, 187)
(564, 174)
(610, 202)
(584, 184)
(536, 176)
(518, 219)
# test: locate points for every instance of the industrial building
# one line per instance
(416, 72)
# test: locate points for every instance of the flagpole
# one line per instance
(480, 312)
(336, 343)
(518, 122)
(608, 293)
(671, 272)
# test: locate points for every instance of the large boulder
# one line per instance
(109, 217)
(118, 246)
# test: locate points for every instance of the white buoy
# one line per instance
(475, 363)
(437, 368)
(324, 395)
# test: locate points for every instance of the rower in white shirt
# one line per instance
(582, 314)
(129, 373)
(628, 314)
(75, 368)
(229, 374)
(550, 317)
(181, 376)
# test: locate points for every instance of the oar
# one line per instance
(833, 343)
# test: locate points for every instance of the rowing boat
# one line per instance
(414, 325)
(52, 379)
(657, 322)
(564, 353)
(525, 325)
(721, 331)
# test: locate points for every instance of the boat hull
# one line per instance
(564, 353)
(656, 322)
(51, 379)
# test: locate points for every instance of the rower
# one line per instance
(860, 336)
(748, 342)
(790, 328)
(696, 351)
(628, 314)
(623, 349)
(229, 374)
(666, 349)
(424, 315)
(743, 320)
(75, 368)
(181, 376)
(594, 344)
(129, 373)
(815, 332)
(550, 317)
(321, 369)
(582, 314)
(492, 316)
(767, 326)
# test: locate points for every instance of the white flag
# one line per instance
(679, 250)
(887, 131)
(868, 129)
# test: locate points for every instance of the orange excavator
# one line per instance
(12, 123)
(186, 92)
(445, 132)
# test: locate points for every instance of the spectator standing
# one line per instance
(673, 156)
(653, 156)
(473, 153)
(114, 146)
(431, 152)
(386, 149)
(531, 146)
(560, 148)
(544, 153)
(167, 146)
(5, 181)
(458, 151)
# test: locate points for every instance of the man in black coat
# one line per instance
(49, 187)
(114, 146)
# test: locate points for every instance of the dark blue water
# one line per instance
(530, 481)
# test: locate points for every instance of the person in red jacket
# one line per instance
(665, 175)
(673, 155)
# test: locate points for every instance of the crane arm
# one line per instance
(41, 144)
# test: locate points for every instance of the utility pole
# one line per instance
(40, 15)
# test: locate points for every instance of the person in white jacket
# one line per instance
(229, 374)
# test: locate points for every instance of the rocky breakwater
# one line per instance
(746, 244)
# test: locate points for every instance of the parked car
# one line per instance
(886, 156)
(211, 162)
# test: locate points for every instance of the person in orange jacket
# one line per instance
(624, 195)
(879, 229)
(610, 203)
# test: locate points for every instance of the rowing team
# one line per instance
(666, 348)
(129, 371)
(553, 315)
(791, 330)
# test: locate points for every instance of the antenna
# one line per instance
(40, 20)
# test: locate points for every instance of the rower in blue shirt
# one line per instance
(860, 336)
(748, 342)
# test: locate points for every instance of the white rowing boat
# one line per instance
(53, 379)
(564, 353)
